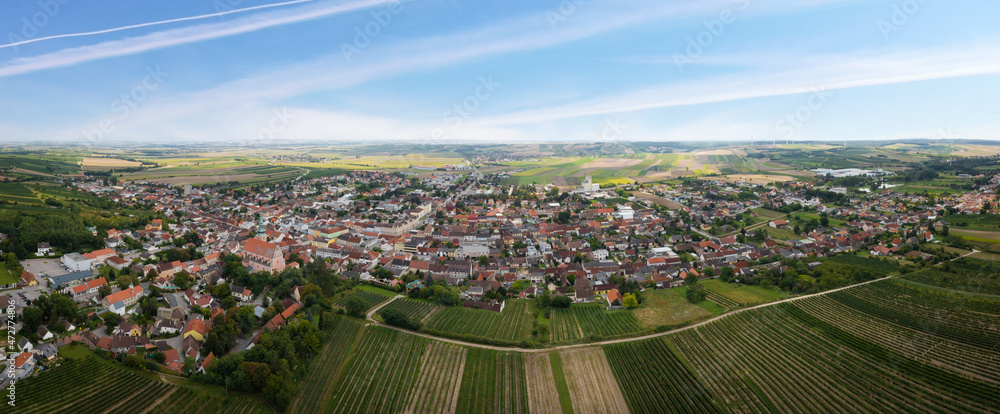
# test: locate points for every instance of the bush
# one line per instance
(396, 317)
(561, 302)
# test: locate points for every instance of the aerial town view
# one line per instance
(565, 206)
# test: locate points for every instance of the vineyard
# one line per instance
(493, 382)
(508, 327)
(592, 387)
(411, 308)
(370, 298)
(381, 374)
(968, 275)
(651, 377)
(715, 297)
(92, 386)
(591, 320)
(960, 318)
(881, 267)
(316, 387)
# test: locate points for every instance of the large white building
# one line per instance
(76, 262)
(589, 186)
(852, 172)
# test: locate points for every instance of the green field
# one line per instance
(504, 372)
(967, 275)
(411, 308)
(317, 385)
(511, 326)
(743, 294)
(6, 277)
(591, 320)
(668, 307)
(370, 298)
(86, 384)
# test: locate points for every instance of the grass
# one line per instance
(668, 307)
(6, 277)
(744, 294)
(374, 289)
(994, 257)
(560, 377)
(780, 233)
(75, 351)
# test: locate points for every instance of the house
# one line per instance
(28, 278)
(778, 223)
(614, 298)
(205, 364)
(44, 333)
(99, 256)
(24, 364)
(116, 262)
(85, 290)
(43, 249)
(25, 345)
(47, 352)
(241, 293)
(261, 256)
(118, 301)
(197, 329)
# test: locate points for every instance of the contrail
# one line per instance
(137, 26)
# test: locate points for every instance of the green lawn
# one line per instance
(374, 289)
(745, 294)
(780, 234)
(6, 277)
(668, 307)
(75, 351)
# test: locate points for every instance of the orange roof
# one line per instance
(208, 360)
(124, 294)
(98, 253)
(22, 358)
(613, 295)
(260, 247)
(197, 325)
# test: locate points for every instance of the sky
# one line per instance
(262, 72)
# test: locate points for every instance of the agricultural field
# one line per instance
(741, 294)
(381, 374)
(783, 359)
(967, 275)
(513, 325)
(591, 320)
(317, 386)
(370, 298)
(651, 376)
(89, 385)
(981, 222)
(722, 301)
(102, 164)
(960, 318)
(543, 395)
(493, 381)
(437, 387)
(592, 387)
(412, 308)
(880, 267)
(668, 307)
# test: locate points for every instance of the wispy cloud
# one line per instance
(156, 23)
(179, 36)
(829, 71)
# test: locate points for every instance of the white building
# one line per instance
(589, 186)
(76, 262)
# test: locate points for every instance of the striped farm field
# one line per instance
(564, 326)
(510, 326)
(90, 385)
(381, 374)
(493, 382)
(594, 320)
(316, 387)
(370, 298)
(651, 377)
(411, 308)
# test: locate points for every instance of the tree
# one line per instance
(630, 301)
(727, 274)
(32, 318)
(103, 291)
(278, 391)
(696, 295)
(355, 306)
(561, 302)
(183, 280)
(823, 221)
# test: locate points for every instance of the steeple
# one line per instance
(261, 230)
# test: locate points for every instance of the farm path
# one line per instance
(368, 316)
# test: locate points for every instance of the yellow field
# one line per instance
(96, 163)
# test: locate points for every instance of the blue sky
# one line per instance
(498, 71)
